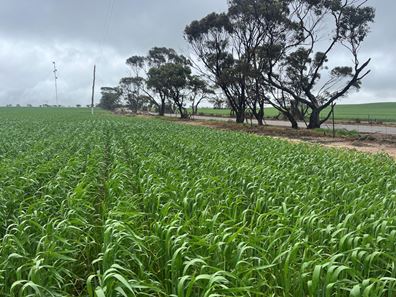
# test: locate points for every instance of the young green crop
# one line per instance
(116, 206)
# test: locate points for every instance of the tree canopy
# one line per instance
(111, 98)
(166, 79)
(280, 52)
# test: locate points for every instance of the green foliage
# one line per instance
(212, 23)
(167, 81)
(111, 98)
(169, 77)
(277, 52)
(112, 206)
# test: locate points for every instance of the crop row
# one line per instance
(110, 206)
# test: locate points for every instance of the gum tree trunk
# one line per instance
(314, 119)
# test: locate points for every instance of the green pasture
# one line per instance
(380, 112)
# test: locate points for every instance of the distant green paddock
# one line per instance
(382, 112)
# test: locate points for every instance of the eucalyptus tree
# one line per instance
(199, 91)
(171, 80)
(253, 23)
(218, 101)
(166, 79)
(229, 45)
(248, 37)
(131, 92)
(280, 52)
(211, 40)
(140, 66)
(303, 39)
(111, 98)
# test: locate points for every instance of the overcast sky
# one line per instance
(79, 33)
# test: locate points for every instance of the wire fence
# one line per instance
(374, 118)
(364, 128)
(382, 123)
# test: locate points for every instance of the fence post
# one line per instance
(332, 111)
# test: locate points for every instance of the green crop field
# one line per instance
(122, 206)
(385, 112)
(367, 112)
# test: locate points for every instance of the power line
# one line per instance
(106, 27)
(106, 32)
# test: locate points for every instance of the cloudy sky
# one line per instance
(78, 34)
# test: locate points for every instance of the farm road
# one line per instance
(350, 127)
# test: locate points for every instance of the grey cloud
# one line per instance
(77, 34)
(135, 24)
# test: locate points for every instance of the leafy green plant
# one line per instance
(116, 206)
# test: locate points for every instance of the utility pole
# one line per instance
(56, 83)
(93, 90)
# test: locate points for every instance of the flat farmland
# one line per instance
(380, 112)
(106, 205)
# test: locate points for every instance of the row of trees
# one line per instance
(161, 80)
(282, 53)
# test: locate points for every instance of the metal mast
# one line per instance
(56, 83)
(93, 90)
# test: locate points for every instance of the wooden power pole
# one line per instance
(93, 90)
